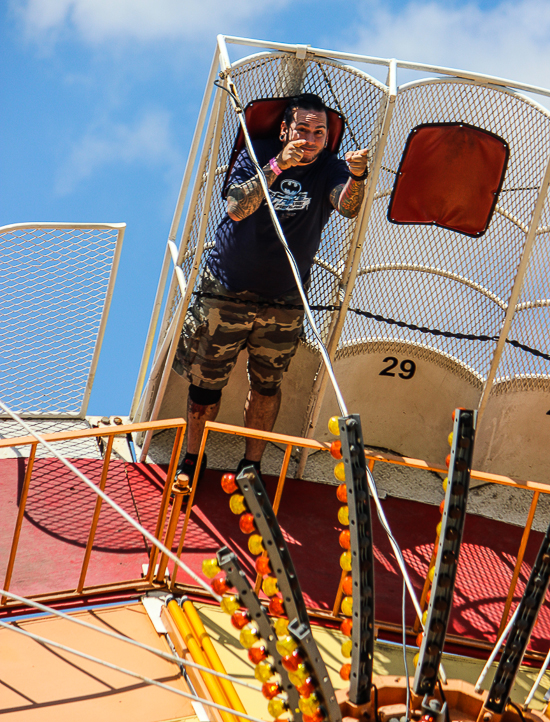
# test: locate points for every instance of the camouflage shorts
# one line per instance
(216, 330)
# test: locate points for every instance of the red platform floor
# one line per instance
(60, 507)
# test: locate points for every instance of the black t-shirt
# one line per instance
(248, 255)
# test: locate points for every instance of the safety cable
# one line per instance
(120, 637)
(112, 503)
(130, 673)
(293, 265)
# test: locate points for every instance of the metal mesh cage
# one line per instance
(54, 285)
(443, 281)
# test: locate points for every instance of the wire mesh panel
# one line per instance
(54, 283)
(448, 292)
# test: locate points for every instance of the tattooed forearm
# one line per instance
(244, 199)
(347, 198)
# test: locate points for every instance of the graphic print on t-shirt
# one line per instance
(290, 197)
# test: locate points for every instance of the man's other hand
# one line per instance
(291, 154)
(357, 161)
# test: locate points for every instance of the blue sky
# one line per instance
(100, 99)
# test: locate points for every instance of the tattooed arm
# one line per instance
(245, 198)
(347, 198)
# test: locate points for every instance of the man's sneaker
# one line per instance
(188, 465)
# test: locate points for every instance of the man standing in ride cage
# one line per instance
(248, 280)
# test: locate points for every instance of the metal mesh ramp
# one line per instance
(56, 283)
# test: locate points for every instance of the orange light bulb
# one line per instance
(344, 539)
(229, 485)
(246, 523)
(336, 450)
(342, 493)
(347, 585)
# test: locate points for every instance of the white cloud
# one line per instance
(149, 141)
(509, 39)
(144, 20)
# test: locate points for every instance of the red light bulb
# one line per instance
(345, 671)
(342, 493)
(276, 606)
(257, 654)
(448, 460)
(307, 688)
(262, 565)
(442, 507)
(344, 539)
(229, 485)
(419, 638)
(240, 618)
(346, 627)
(221, 586)
(336, 450)
(292, 661)
(270, 689)
(246, 523)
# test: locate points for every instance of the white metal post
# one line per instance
(172, 234)
(104, 316)
(218, 111)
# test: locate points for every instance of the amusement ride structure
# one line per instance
(427, 318)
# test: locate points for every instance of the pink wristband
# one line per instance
(274, 167)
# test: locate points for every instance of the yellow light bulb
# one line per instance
(270, 587)
(286, 646)
(450, 439)
(248, 636)
(280, 626)
(276, 707)
(309, 705)
(263, 671)
(343, 515)
(416, 658)
(347, 606)
(431, 573)
(438, 530)
(230, 603)
(333, 426)
(255, 545)
(210, 568)
(299, 675)
(445, 480)
(424, 617)
(236, 504)
(345, 561)
(340, 471)
(346, 648)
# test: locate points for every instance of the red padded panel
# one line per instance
(450, 175)
(263, 119)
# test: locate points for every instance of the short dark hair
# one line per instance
(304, 101)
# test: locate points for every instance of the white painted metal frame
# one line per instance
(120, 229)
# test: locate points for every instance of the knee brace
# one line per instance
(204, 397)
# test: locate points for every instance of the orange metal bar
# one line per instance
(95, 520)
(212, 683)
(204, 640)
(173, 465)
(89, 433)
(177, 501)
(519, 562)
(19, 520)
(190, 502)
(339, 593)
(267, 436)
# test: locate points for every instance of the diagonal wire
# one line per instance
(130, 673)
(112, 503)
(122, 638)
